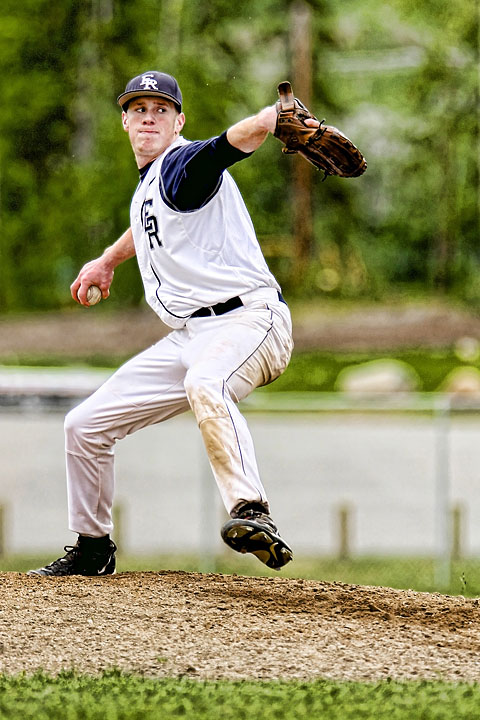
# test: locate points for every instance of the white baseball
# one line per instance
(94, 295)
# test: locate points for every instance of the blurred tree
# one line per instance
(302, 57)
(37, 45)
(400, 78)
(411, 71)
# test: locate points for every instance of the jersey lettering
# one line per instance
(150, 224)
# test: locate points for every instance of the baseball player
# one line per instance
(205, 276)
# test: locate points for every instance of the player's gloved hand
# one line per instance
(325, 146)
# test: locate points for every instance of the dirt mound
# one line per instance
(228, 626)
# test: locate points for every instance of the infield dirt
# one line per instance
(212, 626)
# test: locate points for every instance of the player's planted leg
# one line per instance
(89, 556)
(252, 530)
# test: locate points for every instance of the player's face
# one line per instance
(152, 125)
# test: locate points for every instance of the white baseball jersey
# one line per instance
(194, 259)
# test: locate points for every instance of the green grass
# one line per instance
(414, 573)
(117, 696)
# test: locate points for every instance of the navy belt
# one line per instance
(222, 308)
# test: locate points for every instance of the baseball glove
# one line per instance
(325, 147)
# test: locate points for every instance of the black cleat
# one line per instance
(90, 556)
(254, 532)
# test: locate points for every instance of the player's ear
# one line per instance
(125, 120)
(179, 123)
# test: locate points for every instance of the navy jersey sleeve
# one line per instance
(191, 174)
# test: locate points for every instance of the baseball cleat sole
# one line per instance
(247, 536)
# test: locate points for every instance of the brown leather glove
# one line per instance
(325, 147)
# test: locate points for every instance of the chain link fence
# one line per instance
(351, 480)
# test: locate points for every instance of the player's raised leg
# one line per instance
(226, 362)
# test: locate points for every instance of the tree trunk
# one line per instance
(301, 50)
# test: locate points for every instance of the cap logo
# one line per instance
(148, 82)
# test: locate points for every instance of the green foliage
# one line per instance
(318, 371)
(400, 78)
(118, 696)
(414, 103)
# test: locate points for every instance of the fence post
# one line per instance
(458, 523)
(118, 525)
(208, 515)
(2, 531)
(442, 563)
(344, 518)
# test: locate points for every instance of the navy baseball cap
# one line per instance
(152, 83)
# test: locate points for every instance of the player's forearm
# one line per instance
(121, 250)
(248, 134)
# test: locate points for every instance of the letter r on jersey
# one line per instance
(150, 224)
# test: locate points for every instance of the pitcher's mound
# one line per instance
(228, 626)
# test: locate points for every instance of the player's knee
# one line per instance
(205, 394)
(70, 425)
(78, 435)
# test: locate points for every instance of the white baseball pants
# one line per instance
(207, 366)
